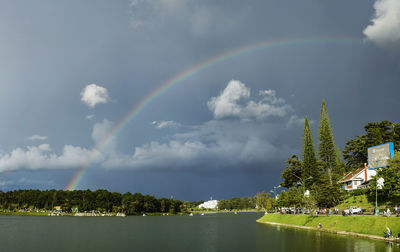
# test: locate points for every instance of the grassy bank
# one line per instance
(359, 201)
(248, 210)
(24, 213)
(368, 225)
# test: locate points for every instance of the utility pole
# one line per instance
(275, 194)
(376, 196)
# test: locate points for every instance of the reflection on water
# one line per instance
(213, 232)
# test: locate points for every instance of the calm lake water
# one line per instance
(211, 232)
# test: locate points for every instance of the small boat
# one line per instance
(143, 215)
(202, 213)
(191, 214)
(235, 212)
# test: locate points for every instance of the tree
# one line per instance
(282, 200)
(390, 192)
(295, 197)
(327, 147)
(309, 163)
(341, 166)
(327, 195)
(262, 200)
(100, 200)
(310, 202)
(292, 174)
(355, 152)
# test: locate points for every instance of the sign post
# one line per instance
(379, 183)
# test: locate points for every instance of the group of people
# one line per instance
(325, 211)
(388, 213)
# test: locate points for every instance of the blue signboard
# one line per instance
(378, 156)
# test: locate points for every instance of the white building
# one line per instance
(211, 204)
(357, 179)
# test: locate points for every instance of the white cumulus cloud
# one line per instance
(385, 27)
(90, 117)
(93, 94)
(42, 157)
(165, 124)
(234, 101)
(36, 137)
(71, 157)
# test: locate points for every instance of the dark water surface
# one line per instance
(211, 232)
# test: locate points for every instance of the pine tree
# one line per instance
(309, 163)
(327, 148)
(340, 165)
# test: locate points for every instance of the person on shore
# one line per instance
(389, 232)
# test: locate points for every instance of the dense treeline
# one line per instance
(87, 200)
(262, 201)
(237, 203)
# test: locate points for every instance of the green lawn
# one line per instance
(372, 225)
(360, 201)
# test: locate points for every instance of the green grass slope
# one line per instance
(370, 225)
(359, 200)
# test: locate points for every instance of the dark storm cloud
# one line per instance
(51, 51)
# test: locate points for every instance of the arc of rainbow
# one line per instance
(185, 75)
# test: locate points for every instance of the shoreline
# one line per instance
(89, 214)
(326, 230)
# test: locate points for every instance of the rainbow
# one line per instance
(186, 74)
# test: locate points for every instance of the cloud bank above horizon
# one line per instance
(239, 135)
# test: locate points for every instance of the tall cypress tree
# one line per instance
(326, 148)
(309, 163)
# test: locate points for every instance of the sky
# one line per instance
(185, 99)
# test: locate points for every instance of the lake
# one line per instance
(211, 232)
